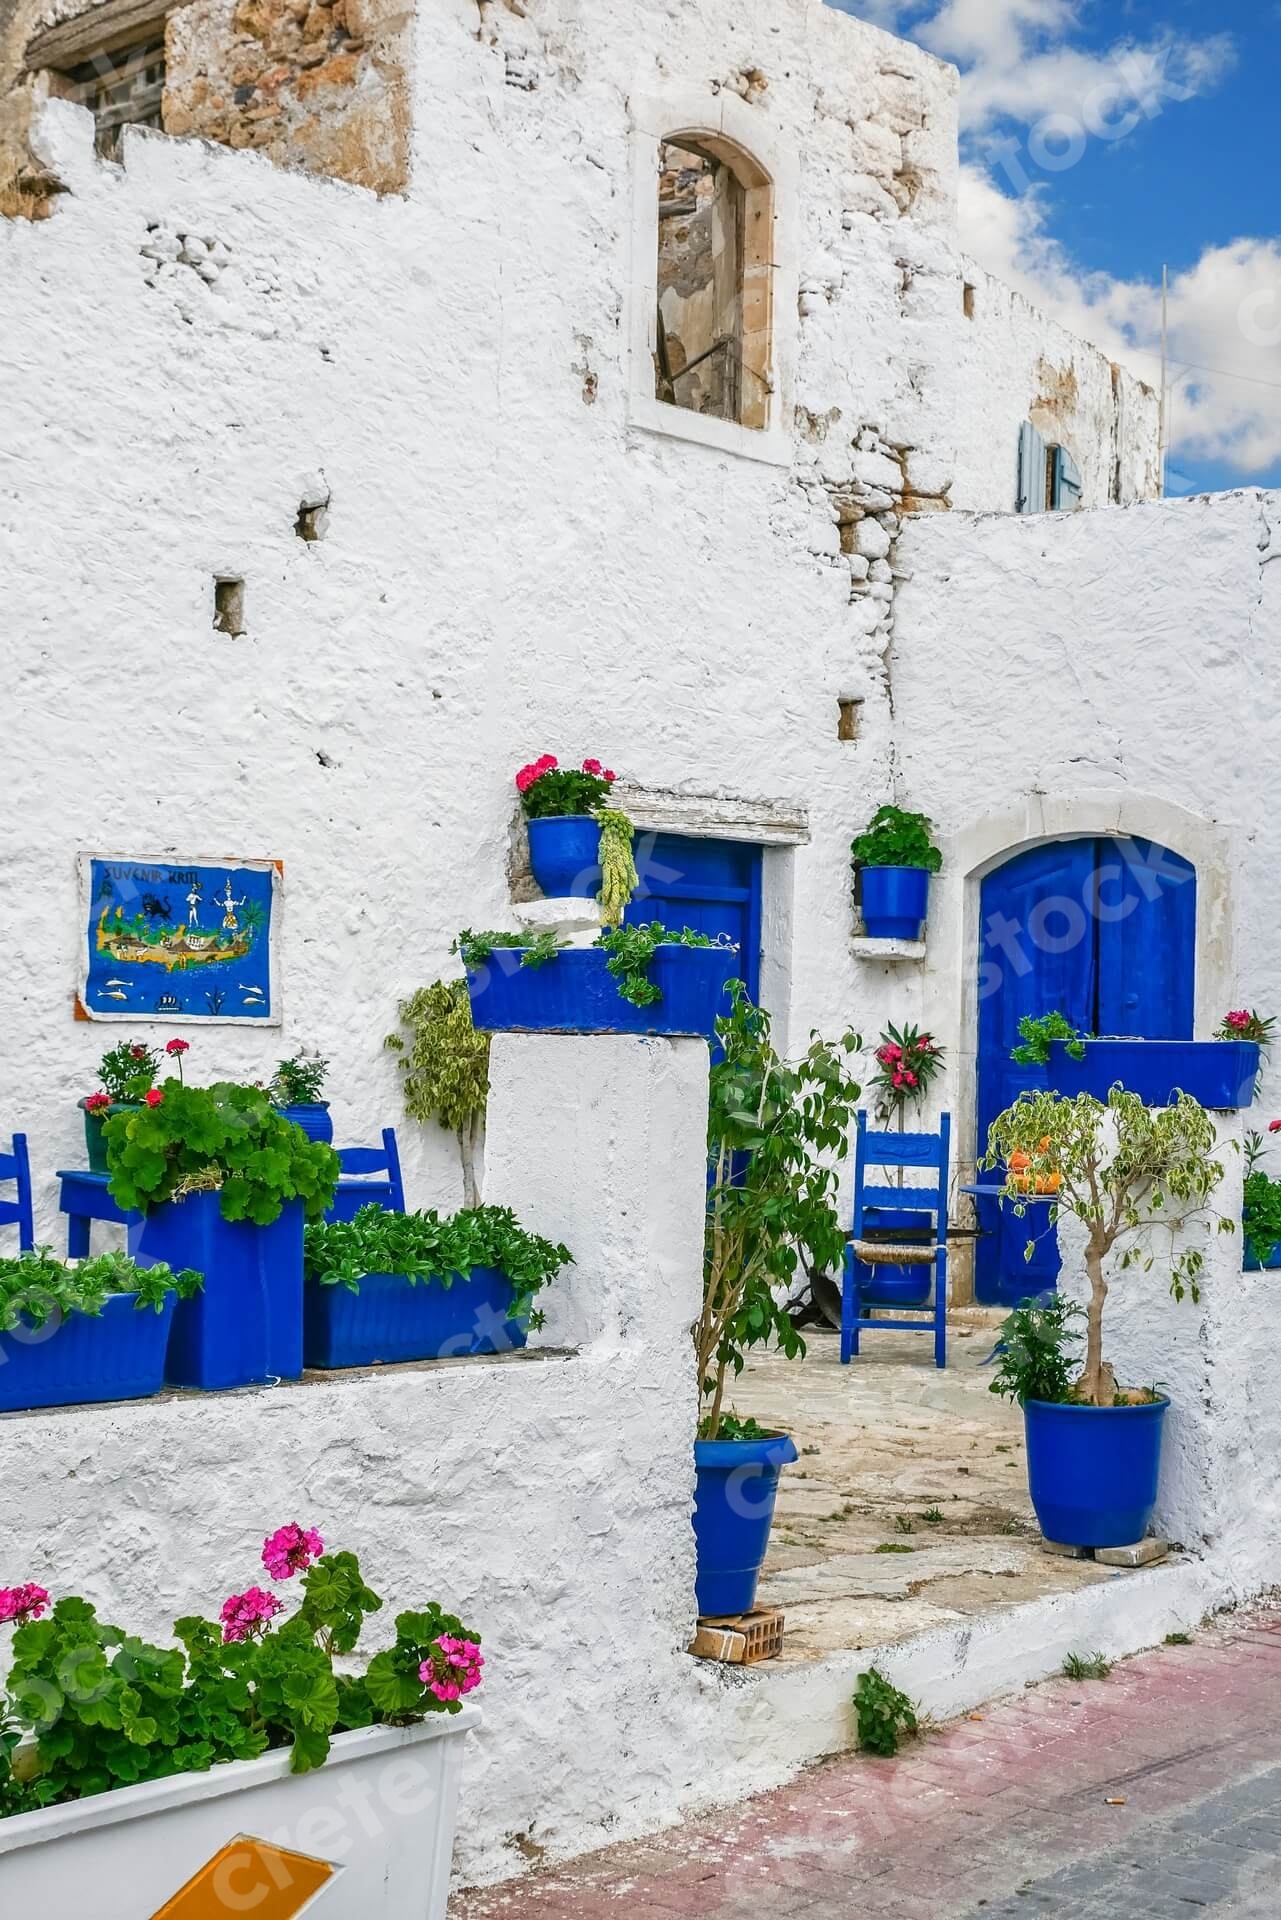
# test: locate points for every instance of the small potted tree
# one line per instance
(1128, 1174)
(562, 808)
(893, 859)
(445, 1069)
(221, 1183)
(776, 1133)
(295, 1089)
(90, 1330)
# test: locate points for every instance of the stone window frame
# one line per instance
(58, 53)
(740, 135)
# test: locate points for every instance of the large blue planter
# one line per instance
(885, 1286)
(1221, 1074)
(391, 1319)
(895, 901)
(314, 1119)
(576, 993)
(1093, 1471)
(564, 853)
(116, 1355)
(245, 1327)
(736, 1485)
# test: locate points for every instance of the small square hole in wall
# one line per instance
(969, 297)
(313, 520)
(851, 712)
(229, 606)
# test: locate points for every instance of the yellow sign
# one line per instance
(249, 1876)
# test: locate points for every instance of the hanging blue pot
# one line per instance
(245, 1327)
(1221, 1074)
(736, 1485)
(895, 901)
(392, 1319)
(576, 992)
(118, 1354)
(314, 1118)
(564, 852)
(1093, 1471)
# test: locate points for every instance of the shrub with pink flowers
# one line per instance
(89, 1708)
(547, 789)
(1244, 1024)
(907, 1062)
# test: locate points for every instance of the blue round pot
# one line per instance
(905, 1286)
(95, 1139)
(736, 1485)
(315, 1121)
(895, 901)
(564, 853)
(1093, 1471)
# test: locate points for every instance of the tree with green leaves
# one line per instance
(777, 1133)
(1127, 1173)
(445, 1069)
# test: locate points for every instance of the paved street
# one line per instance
(1154, 1792)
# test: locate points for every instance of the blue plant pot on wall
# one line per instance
(118, 1354)
(314, 1119)
(735, 1488)
(576, 993)
(245, 1327)
(1268, 1264)
(564, 853)
(1093, 1471)
(895, 901)
(1221, 1074)
(392, 1320)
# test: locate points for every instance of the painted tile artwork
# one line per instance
(169, 937)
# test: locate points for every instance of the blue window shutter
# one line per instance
(1065, 482)
(1032, 454)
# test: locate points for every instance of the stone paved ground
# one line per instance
(1154, 1792)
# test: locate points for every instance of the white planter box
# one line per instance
(382, 1811)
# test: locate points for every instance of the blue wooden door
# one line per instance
(713, 886)
(1103, 931)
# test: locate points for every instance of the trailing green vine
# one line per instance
(618, 876)
(445, 1068)
(631, 953)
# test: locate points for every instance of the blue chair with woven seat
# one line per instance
(897, 1252)
(16, 1166)
(364, 1189)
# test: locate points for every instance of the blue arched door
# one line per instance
(1103, 931)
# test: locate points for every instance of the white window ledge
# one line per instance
(771, 445)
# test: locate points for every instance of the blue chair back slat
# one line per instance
(16, 1166)
(899, 1149)
(364, 1162)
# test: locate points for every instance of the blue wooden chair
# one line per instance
(364, 1190)
(926, 1152)
(16, 1166)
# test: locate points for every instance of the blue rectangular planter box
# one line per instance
(1221, 1074)
(392, 1319)
(1269, 1264)
(576, 993)
(116, 1355)
(245, 1327)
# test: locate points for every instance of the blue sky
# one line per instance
(1174, 161)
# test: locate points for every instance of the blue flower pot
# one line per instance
(116, 1355)
(1221, 1074)
(1253, 1264)
(576, 993)
(314, 1119)
(564, 853)
(95, 1138)
(1093, 1471)
(245, 1327)
(895, 901)
(736, 1485)
(393, 1319)
(884, 1286)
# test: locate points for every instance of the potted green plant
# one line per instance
(92, 1330)
(389, 1287)
(222, 1183)
(908, 1060)
(1261, 1208)
(633, 979)
(578, 843)
(893, 859)
(1220, 1074)
(445, 1069)
(126, 1768)
(126, 1074)
(295, 1089)
(776, 1135)
(1127, 1173)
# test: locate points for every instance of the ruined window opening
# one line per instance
(111, 59)
(1049, 478)
(229, 607)
(969, 297)
(715, 280)
(850, 712)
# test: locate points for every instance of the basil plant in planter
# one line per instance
(893, 859)
(86, 1330)
(222, 1183)
(1139, 1181)
(776, 1135)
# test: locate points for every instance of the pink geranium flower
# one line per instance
(246, 1615)
(455, 1669)
(291, 1550)
(22, 1603)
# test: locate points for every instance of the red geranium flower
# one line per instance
(178, 1047)
(1274, 1126)
(96, 1102)
(154, 1098)
(591, 766)
(137, 1053)
(609, 775)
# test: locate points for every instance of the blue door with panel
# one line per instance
(712, 886)
(1103, 931)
